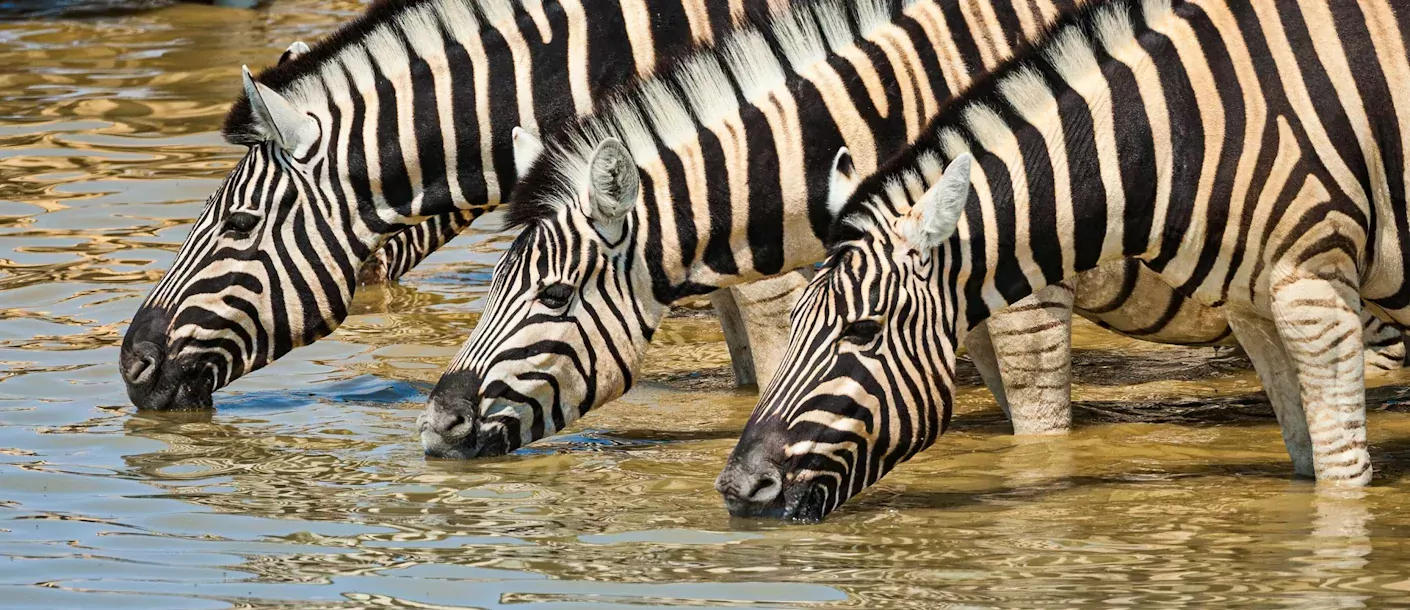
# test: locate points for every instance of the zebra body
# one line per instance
(398, 126)
(1226, 144)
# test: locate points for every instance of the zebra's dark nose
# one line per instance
(758, 484)
(750, 486)
(142, 361)
(448, 428)
(142, 364)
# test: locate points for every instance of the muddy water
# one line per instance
(306, 488)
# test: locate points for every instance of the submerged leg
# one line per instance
(736, 337)
(1032, 342)
(1318, 316)
(1276, 371)
(981, 353)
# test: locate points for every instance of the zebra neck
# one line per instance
(1079, 160)
(422, 98)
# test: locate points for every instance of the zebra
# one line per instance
(399, 126)
(574, 301)
(1093, 147)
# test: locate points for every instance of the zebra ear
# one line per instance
(933, 220)
(291, 129)
(527, 149)
(294, 51)
(614, 187)
(842, 182)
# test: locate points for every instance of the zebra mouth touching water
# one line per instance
(802, 501)
(155, 379)
(463, 421)
(452, 428)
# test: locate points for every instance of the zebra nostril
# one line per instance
(764, 490)
(748, 486)
(449, 424)
(142, 365)
(455, 420)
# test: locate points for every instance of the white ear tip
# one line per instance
(842, 162)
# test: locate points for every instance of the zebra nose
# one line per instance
(142, 364)
(749, 484)
(448, 428)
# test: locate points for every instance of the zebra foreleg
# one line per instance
(1032, 343)
(736, 337)
(1318, 316)
(1276, 371)
(981, 352)
(762, 306)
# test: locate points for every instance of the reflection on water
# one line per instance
(307, 489)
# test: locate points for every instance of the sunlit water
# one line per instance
(307, 489)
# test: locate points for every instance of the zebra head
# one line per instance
(868, 380)
(568, 315)
(233, 301)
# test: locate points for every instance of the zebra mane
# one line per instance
(398, 19)
(700, 87)
(994, 100)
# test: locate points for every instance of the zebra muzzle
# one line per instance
(448, 428)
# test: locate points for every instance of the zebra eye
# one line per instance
(861, 332)
(556, 296)
(239, 224)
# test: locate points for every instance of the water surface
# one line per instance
(307, 489)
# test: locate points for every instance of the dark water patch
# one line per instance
(360, 389)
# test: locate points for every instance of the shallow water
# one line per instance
(307, 488)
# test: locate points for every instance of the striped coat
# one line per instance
(398, 126)
(1226, 144)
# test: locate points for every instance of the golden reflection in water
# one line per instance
(307, 488)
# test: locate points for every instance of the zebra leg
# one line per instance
(1032, 342)
(1318, 316)
(981, 352)
(763, 306)
(1385, 344)
(736, 336)
(412, 245)
(1259, 338)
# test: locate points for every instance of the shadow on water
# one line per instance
(366, 389)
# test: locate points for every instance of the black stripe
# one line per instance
(1187, 145)
(719, 253)
(1231, 96)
